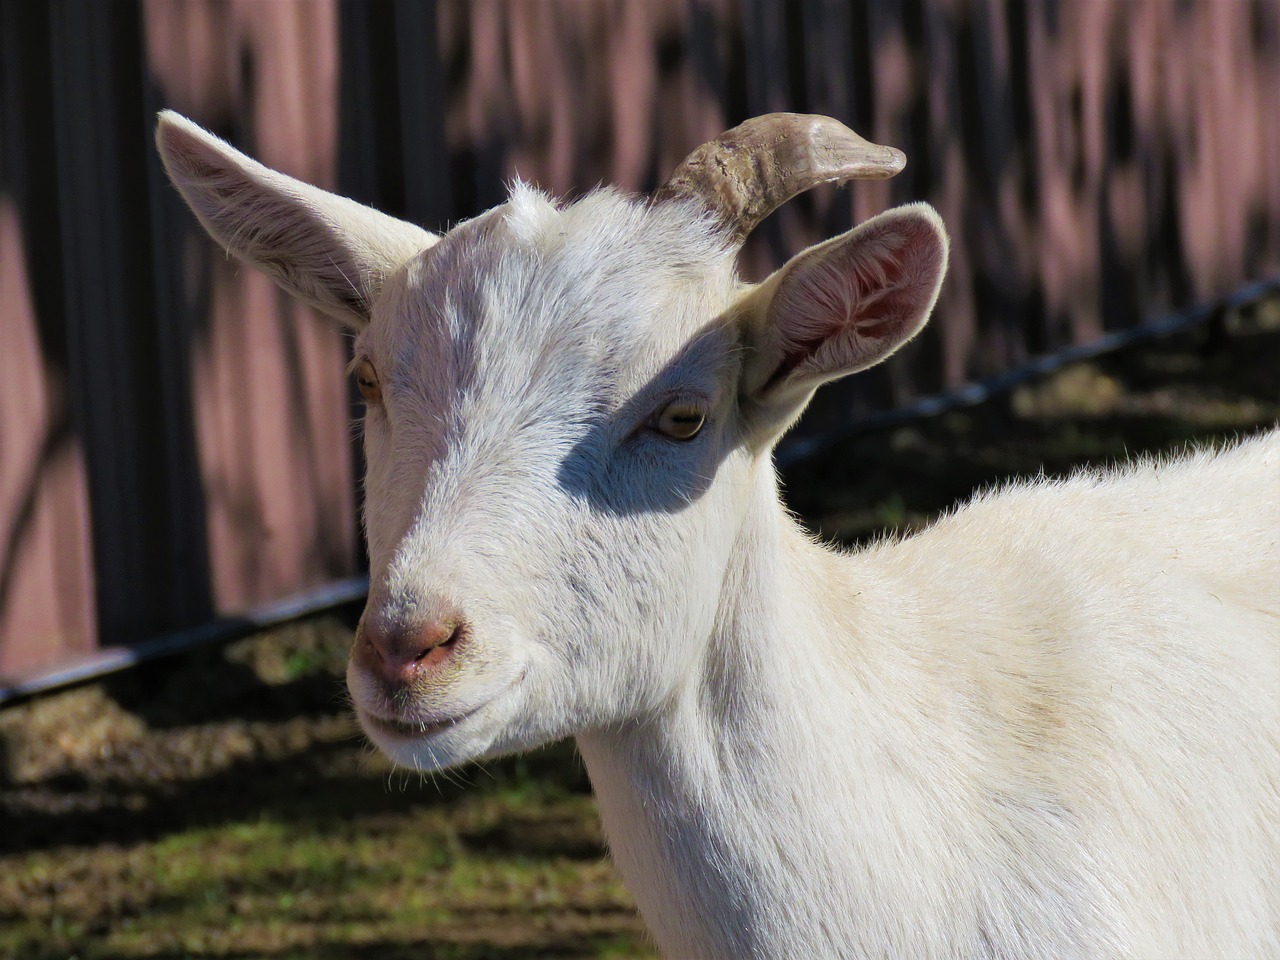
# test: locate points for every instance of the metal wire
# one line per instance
(794, 451)
(329, 596)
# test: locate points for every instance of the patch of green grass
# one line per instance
(510, 867)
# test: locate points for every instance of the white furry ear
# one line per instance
(326, 250)
(843, 305)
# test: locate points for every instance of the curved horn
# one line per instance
(745, 174)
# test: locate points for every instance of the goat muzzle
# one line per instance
(399, 654)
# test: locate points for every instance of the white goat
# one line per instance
(1049, 726)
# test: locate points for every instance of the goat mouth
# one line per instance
(399, 728)
(411, 729)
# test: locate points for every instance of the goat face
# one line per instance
(557, 391)
(570, 412)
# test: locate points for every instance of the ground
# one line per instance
(222, 804)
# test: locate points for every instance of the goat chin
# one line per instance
(1048, 726)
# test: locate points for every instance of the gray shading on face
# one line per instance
(537, 335)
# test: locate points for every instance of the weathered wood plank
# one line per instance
(1093, 161)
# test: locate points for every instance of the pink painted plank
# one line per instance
(271, 400)
(46, 581)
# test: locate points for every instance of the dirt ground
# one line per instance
(222, 804)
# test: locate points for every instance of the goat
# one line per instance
(1046, 727)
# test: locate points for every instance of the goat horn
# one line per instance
(746, 173)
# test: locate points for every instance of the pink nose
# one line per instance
(400, 653)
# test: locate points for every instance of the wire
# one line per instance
(795, 450)
(96, 665)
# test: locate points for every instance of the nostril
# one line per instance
(438, 641)
(398, 652)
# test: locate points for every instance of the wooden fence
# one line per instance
(174, 433)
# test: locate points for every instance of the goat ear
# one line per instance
(326, 250)
(843, 305)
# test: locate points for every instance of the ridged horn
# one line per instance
(746, 173)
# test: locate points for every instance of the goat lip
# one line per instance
(402, 729)
(399, 728)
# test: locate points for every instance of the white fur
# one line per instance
(1048, 726)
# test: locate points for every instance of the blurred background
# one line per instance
(175, 434)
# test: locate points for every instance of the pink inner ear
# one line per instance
(846, 307)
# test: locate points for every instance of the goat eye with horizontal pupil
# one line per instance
(367, 381)
(680, 421)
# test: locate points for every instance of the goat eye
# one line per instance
(367, 381)
(680, 421)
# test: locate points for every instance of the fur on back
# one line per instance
(1103, 653)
